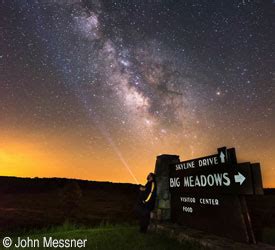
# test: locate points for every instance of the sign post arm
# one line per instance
(232, 156)
(247, 220)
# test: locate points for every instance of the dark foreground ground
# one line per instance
(107, 237)
(37, 203)
(28, 204)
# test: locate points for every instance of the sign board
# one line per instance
(215, 214)
(217, 174)
(224, 157)
(219, 179)
(205, 193)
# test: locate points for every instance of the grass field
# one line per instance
(109, 237)
(269, 235)
(33, 204)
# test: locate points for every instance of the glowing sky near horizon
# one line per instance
(97, 89)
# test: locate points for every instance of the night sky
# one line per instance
(97, 89)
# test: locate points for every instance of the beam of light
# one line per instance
(108, 137)
(104, 132)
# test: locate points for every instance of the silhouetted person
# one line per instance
(146, 202)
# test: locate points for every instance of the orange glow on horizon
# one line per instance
(29, 157)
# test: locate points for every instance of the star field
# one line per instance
(97, 89)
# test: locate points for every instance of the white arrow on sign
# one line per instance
(239, 178)
(222, 156)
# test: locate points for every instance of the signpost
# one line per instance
(208, 193)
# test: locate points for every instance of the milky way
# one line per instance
(134, 79)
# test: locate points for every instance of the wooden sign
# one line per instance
(207, 193)
(215, 179)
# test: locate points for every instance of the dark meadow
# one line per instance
(33, 203)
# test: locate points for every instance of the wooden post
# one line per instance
(247, 220)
